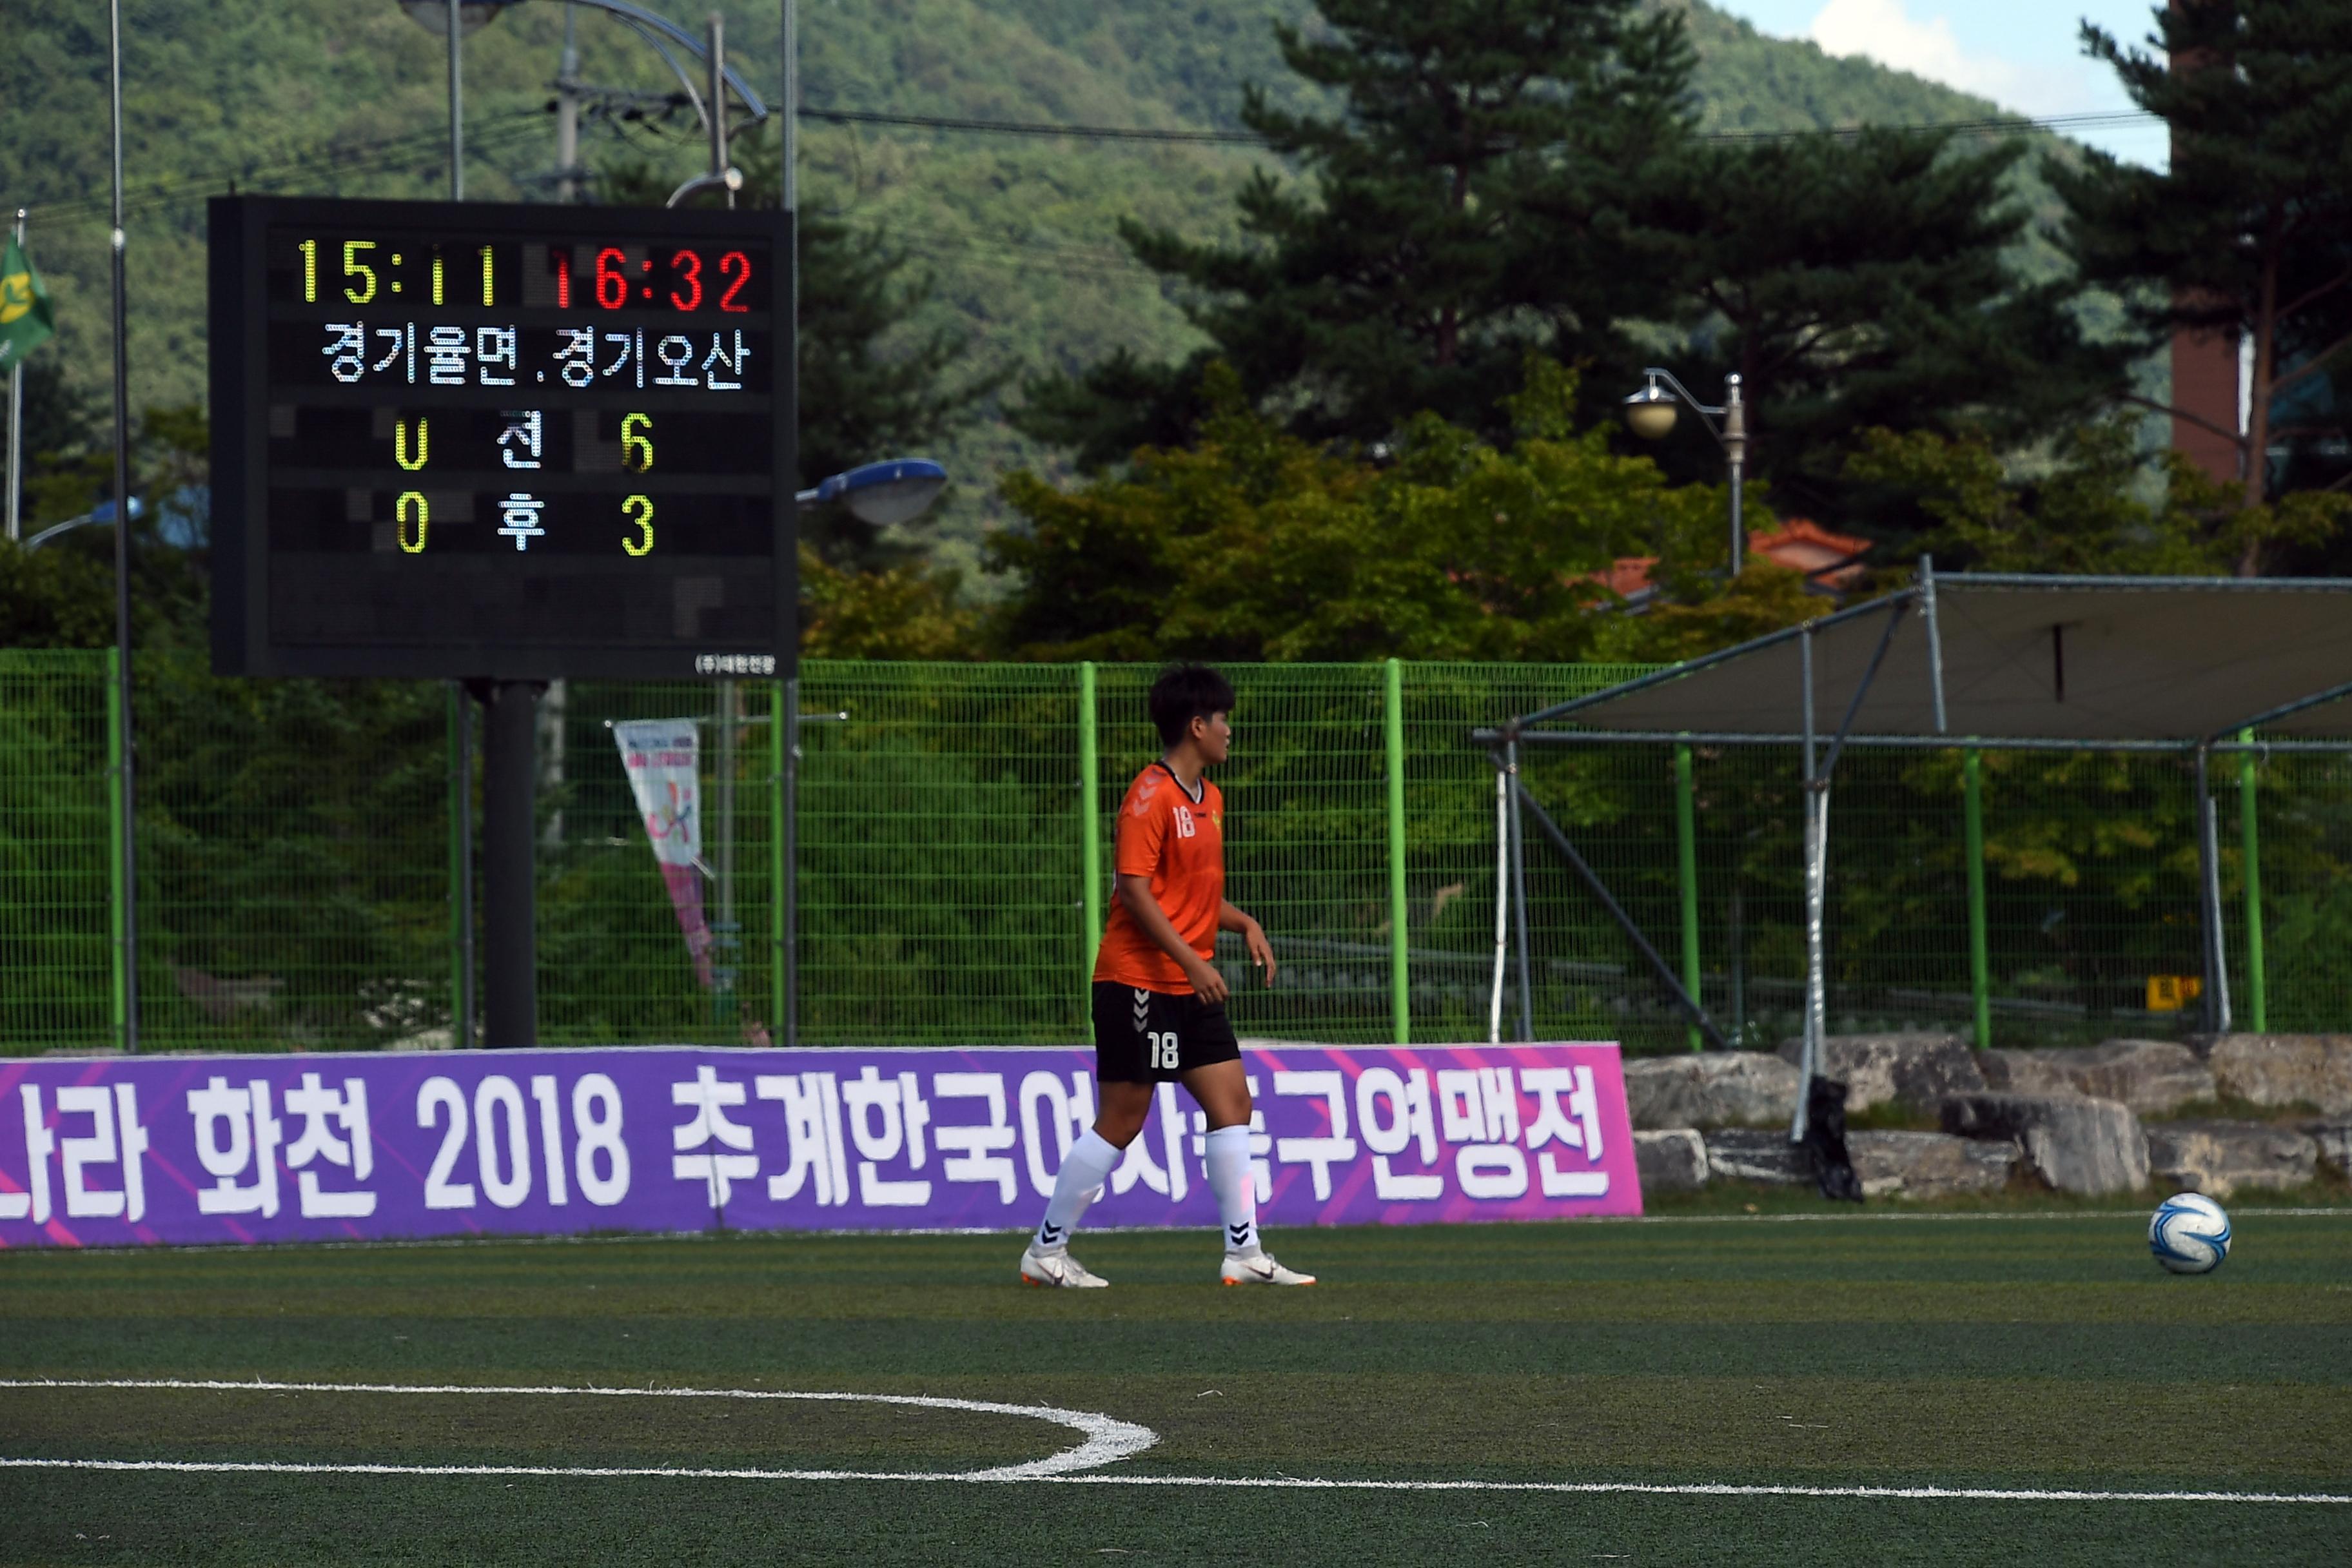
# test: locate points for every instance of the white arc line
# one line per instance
(1108, 1440)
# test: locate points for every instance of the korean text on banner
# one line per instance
(125, 1151)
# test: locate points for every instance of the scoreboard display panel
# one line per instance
(503, 442)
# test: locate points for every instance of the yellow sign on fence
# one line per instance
(2170, 992)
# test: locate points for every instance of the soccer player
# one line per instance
(1159, 1002)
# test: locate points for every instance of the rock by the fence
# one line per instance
(2152, 1077)
(2334, 1142)
(1917, 1069)
(1712, 1089)
(2024, 1072)
(1672, 1161)
(1757, 1154)
(2075, 1144)
(2284, 1069)
(1928, 1165)
(2217, 1158)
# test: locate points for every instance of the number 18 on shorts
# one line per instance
(1155, 1037)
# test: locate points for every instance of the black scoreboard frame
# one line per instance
(245, 641)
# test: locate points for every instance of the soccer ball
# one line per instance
(2189, 1234)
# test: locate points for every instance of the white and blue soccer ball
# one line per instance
(2189, 1234)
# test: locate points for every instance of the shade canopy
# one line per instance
(2095, 660)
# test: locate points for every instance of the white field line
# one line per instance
(815, 1238)
(1108, 1440)
(1295, 1483)
(1849, 1218)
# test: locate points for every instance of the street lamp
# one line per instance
(895, 491)
(99, 515)
(453, 22)
(1651, 414)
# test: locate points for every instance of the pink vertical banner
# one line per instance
(661, 757)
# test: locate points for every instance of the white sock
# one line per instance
(1090, 1163)
(1230, 1179)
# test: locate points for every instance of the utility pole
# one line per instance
(17, 425)
(717, 116)
(128, 827)
(456, 106)
(788, 938)
(567, 112)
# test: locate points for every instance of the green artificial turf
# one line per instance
(2037, 1350)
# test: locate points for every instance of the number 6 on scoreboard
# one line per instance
(639, 509)
(637, 442)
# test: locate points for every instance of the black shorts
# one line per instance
(1154, 1036)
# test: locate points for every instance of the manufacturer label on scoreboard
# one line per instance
(501, 441)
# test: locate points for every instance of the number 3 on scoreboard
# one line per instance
(639, 509)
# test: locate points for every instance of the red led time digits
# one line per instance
(615, 283)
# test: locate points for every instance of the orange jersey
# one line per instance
(1177, 841)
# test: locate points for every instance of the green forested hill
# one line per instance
(347, 96)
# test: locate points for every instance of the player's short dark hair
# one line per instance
(1185, 692)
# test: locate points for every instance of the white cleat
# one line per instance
(1260, 1268)
(1059, 1269)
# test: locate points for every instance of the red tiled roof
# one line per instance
(1799, 544)
(1627, 575)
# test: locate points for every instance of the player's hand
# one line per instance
(1260, 951)
(1207, 984)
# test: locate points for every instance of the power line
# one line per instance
(498, 131)
(1035, 128)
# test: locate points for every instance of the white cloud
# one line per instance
(1884, 31)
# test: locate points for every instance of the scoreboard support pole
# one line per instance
(510, 778)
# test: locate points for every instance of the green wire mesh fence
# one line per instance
(296, 866)
(57, 973)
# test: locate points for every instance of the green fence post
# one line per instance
(779, 724)
(1980, 964)
(2258, 1010)
(454, 709)
(117, 895)
(1400, 950)
(1089, 817)
(1686, 872)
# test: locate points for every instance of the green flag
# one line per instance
(25, 319)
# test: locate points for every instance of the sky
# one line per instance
(2024, 55)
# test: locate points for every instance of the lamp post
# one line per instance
(892, 491)
(453, 21)
(895, 490)
(1651, 414)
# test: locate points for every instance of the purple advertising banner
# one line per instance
(120, 1152)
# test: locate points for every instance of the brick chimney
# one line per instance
(2206, 379)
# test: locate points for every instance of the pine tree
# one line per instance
(1454, 217)
(873, 385)
(1862, 281)
(2248, 235)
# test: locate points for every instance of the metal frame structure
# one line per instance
(1820, 758)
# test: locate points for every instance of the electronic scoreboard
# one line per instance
(502, 442)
